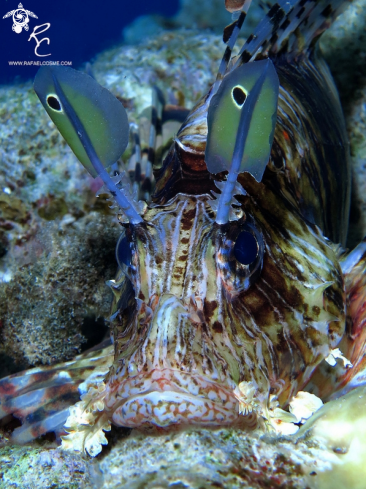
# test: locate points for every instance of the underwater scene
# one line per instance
(182, 251)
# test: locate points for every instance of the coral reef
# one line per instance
(46, 306)
(181, 63)
(49, 468)
(48, 240)
(318, 458)
(219, 459)
(347, 38)
(356, 124)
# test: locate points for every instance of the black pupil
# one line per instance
(246, 248)
(239, 95)
(123, 252)
(53, 103)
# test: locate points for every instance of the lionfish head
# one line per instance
(201, 307)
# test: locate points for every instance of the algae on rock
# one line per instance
(35, 468)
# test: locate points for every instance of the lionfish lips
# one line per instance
(166, 397)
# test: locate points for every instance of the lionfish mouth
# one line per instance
(167, 398)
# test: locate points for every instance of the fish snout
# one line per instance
(168, 381)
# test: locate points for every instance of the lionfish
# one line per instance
(230, 296)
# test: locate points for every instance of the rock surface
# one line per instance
(35, 468)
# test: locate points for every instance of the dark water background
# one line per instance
(79, 29)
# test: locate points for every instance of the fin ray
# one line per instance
(40, 398)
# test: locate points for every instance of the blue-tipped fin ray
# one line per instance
(85, 113)
(92, 121)
(231, 123)
(241, 123)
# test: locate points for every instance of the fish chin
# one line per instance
(171, 399)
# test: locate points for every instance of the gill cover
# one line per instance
(241, 123)
(91, 120)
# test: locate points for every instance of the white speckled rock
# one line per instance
(340, 428)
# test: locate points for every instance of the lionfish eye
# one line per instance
(240, 250)
(54, 103)
(239, 95)
(123, 252)
(246, 248)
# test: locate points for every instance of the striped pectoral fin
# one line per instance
(41, 397)
(157, 127)
(345, 369)
(354, 269)
(290, 27)
(353, 345)
(239, 9)
(159, 124)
